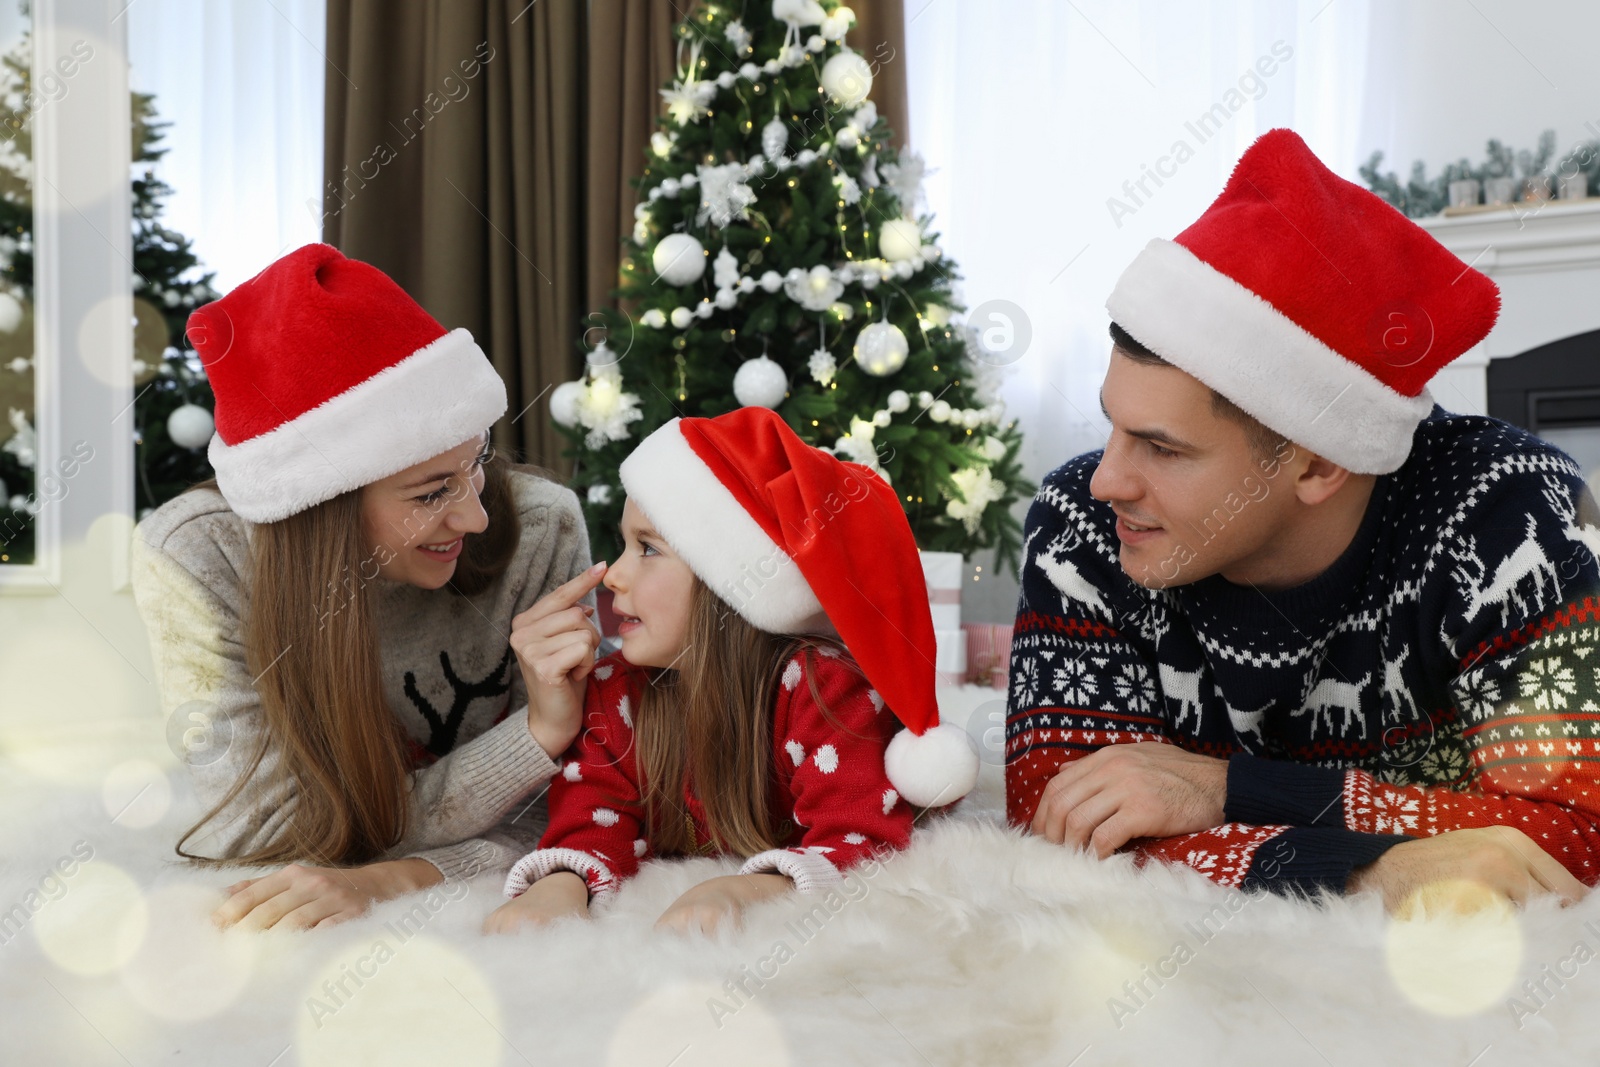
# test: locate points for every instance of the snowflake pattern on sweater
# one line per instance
(829, 791)
(1441, 674)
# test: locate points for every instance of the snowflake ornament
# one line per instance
(724, 194)
(822, 366)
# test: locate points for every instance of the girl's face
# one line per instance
(652, 587)
(415, 522)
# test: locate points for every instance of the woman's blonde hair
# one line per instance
(311, 643)
(707, 720)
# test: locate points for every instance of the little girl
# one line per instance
(775, 638)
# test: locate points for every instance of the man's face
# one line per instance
(1171, 464)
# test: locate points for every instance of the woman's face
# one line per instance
(652, 587)
(409, 517)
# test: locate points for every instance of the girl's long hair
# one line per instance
(311, 644)
(707, 720)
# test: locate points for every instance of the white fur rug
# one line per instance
(976, 946)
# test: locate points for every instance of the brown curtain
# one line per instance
(880, 35)
(480, 152)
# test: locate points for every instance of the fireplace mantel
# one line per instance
(1547, 264)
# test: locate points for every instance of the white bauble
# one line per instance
(564, 401)
(898, 240)
(881, 349)
(899, 400)
(771, 281)
(679, 259)
(760, 383)
(847, 78)
(681, 318)
(10, 312)
(774, 138)
(727, 299)
(190, 426)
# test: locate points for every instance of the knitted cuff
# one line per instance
(540, 862)
(1308, 859)
(1264, 792)
(808, 870)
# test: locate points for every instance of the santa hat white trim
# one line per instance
(542, 862)
(716, 537)
(427, 404)
(1207, 324)
(810, 872)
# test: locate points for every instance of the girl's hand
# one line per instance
(299, 897)
(555, 896)
(703, 908)
(555, 644)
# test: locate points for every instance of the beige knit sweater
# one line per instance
(447, 667)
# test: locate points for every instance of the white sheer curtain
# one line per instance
(1031, 114)
(241, 82)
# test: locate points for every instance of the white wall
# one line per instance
(1447, 75)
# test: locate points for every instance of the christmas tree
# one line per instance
(172, 398)
(775, 260)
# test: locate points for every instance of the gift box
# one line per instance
(950, 660)
(943, 571)
(988, 653)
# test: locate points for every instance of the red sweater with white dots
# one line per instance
(829, 793)
(1442, 674)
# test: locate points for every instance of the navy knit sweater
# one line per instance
(1439, 675)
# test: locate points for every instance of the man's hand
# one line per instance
(706, 906)
(555, 896)
(300, 897)
(1433, 872)
(1121, 792)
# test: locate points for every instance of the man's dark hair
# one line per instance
(1264, 442)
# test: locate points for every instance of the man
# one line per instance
(1362, 629)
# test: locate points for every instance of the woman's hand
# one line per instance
(555, 645)
(704, 908)
(299, 897)
(555, 896)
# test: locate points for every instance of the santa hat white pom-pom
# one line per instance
(938, 766)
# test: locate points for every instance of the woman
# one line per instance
(335, 613)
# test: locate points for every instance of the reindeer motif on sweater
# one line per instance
(1438, 675)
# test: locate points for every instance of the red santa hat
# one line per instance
(1310, 303)
(329, 377)
(796, 540)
